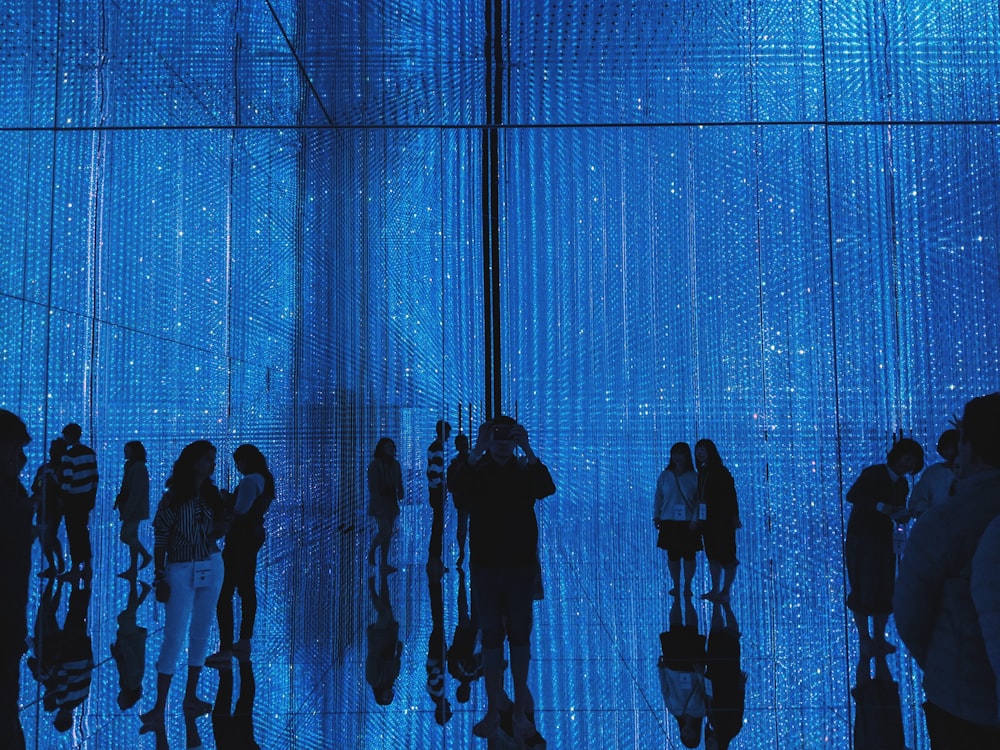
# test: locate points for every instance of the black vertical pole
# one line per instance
(491, 206)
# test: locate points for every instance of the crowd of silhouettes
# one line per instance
(207, 542)
(188, 575)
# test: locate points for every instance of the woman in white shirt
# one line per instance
(676, 516)
(189, 520)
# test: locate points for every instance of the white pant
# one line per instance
(191, 606)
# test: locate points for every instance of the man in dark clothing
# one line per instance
(500, 491)
(16, 537)
(79, 493)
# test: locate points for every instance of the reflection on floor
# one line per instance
(330, 628)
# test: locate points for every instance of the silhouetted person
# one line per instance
(129, 647)
(233, 725)
(79, 494)
(189, 520)
(717, 493)
(435, 488)
(728, 681)
(44, 661)
(461, 459)
(935, 612)
(132, 504)
(681, 669)
(878, 500)
(46, 494)
(75, 658)
(385, 650)
(16, 537)
(676, 516)
(253, 498)
(985, 586)
(937, 483)
(385, 490)
(464, 660)
(878, 718)
(501, 491)
(436, 661)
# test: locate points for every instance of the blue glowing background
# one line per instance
(774, 224)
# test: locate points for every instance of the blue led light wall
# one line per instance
(771, 224)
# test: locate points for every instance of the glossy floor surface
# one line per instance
(594, 668)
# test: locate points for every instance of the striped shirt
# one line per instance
(435, 465)
(185, 531)
(78, 471)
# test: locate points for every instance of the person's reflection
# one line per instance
(192, 738)
(75, 658)
(435, 645)
(129, 648)
(234, 729)
(682, 672)
(728, 680)
(878, 719)
(465, 663)
(384, 647)
(44, 661)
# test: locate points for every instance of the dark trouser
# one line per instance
(52, 515)
(11, 732)
(77, 513)
(437, 523)
(503, 601)
(948, 732)
(240, 560)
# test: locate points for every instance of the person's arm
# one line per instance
(541, 480)
(399, 481)
(985, 585)
(921, 498)
(658, 501)
(920, 583)
(141, 487)
(65, 472)
(162, 523)
(482, 443)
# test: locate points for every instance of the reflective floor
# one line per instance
(595, 648)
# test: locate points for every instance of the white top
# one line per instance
(683, 692)
(933, 488)
(248, 490)
(676, 497)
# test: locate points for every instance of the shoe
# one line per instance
(672, 592)
(387, 569)
(709, 596)
(49, 572)
(487, 727)
(195, 706)
(70, 576)
(722, 597)
(146, 560)
(241, 649)
(221, 658)
(127, 574)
